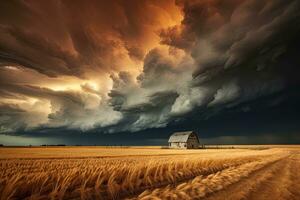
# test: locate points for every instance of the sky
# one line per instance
(132, 72)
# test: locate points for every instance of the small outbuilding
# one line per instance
(184, 140)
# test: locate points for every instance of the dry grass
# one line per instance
(133, 173)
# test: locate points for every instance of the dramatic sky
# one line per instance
(132, 72)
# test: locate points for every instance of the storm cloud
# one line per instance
(131, 66)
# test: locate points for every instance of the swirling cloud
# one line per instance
(130, 66)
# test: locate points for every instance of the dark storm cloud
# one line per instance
(32, 47)
(230, 34)
(70, 37)
(223, 59)
(74, 39)
(238, 49)
(19, 47)
(238, 46)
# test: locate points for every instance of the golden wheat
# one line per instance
(170, 174)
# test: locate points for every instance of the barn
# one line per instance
(184, 140)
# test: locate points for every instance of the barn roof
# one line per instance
(180, 136)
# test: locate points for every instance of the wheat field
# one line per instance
(149, 173)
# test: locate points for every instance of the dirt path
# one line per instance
(273, 178)
(295, 175)
(278, 181)
(258, 185)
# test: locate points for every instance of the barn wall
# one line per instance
(178, 145)
(182, 145)
(192, 142)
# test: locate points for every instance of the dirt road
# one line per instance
(279, 180)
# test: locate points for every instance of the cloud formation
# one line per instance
(130, 66)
